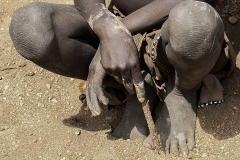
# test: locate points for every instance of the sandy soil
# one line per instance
(40, 117)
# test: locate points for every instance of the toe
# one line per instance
(183, 147)
(174, 147)
(191, 144)
(148, 142)
(167, 146)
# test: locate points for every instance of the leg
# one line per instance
(133, 124)
(55, 37)
(192, 38)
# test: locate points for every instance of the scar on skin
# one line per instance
(92, 19)
(98, 15)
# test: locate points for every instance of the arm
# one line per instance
(150, 16)
(117, 50)
(99, 18)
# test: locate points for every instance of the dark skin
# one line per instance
(90, 43)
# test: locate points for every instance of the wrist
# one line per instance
(108, 25)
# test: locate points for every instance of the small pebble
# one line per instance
(22, 64)
(77, 133)
(54, 100)
(204, 155)
(233, 20)
(2, 129)
(30, 74)
(235, 108)
(48, 86)
(108, 118)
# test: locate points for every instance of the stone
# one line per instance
(48, 86)
(30, 74)
(233, 20)
(77, 133)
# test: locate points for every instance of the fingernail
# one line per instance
(95, 112)
(141, 100)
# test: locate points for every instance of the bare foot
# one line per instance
(133, 124)
(176, 124)
(182, 111)
(163, 126)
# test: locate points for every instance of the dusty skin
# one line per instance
(36, 106)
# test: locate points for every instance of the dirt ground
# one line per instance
(40, 117)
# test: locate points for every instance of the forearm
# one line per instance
(150, 16)
(99, 18)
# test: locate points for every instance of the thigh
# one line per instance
(55, 37)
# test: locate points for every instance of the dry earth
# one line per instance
(35, 104)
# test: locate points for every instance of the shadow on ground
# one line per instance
(222, 121)
(108, 120)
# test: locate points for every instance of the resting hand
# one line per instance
(94, 91)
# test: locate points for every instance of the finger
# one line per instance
(119, 80)
(91, 100)
(88, 97)
(102, 98)
(94, 100)
(127, 81)
(139, 84)
(116, 75)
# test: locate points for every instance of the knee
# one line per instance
(194, 30)
(31, 31)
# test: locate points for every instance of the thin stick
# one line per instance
(151, 127)
(7, 68)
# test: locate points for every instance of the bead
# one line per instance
(202, 105)
(206, 104)
(222, 100)
(211, 102)
(219, 102)
(215, 102)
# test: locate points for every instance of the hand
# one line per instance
(94, 91)
(119, 57)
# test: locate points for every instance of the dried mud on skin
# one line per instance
(40, 117)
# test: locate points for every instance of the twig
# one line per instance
(8, 68)
(151, 127)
